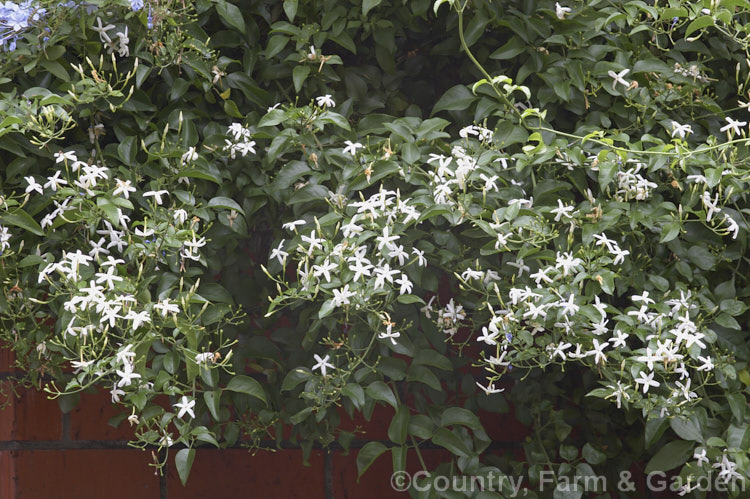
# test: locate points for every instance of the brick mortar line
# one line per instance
(31, 445)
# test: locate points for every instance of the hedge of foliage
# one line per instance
(243, 217)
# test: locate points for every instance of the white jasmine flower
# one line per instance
(126, 375)
(559, 350)
(710, 205)
(33, 185)
(186, 407)
(618, 78)
(325, 101)
(389, 334)
(560, 11)
(562, 210)
(322, 364)
(279, 253)
(734, 125)
(341, 296)
(488, 338)
(61, 156)
(707, 363)
(700, 456)
(490, 388)
(647, 380)
(115, 394)
(619, 339)
(204, 358)
(156, 195)
(680, 130)
(124, 188)
(55, 181)
(598, 351)
(166, 307)
(351, 147)
(180, 216)
(405, 285)
(293, 225)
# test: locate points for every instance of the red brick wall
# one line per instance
(47, 454)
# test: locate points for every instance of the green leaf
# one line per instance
(703, 258)
(451, 441)
(592, 455)
(231, 15)
(275, 45)
(700, 23)
(355, 393)
(367, 455)
(654, 430)
(433, 358)
(399, 425)
(368, 5)
(326, 309)
(127, 150)
(738, 437)
(299, 75)
(672, 455)
(409, 299)
(227, 203)
(738, 404)
(455, 99)
(424, 375)
(716, 442)
(670, 231)
(380, 391)
(290, 9)
(301, 415)
(567, 491)
(213, 400)
(183, 460)
(246, 384)
(514, 47)
(21, 219)
(294, 378)
(421, 426)
(727, 321)
(460, 416)
(687, 429)
(732, 307)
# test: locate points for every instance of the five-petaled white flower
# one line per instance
(734, 125)
(710, 205)
(279, 253)
(488, 338)
(33, 185)
(293, 225)
(562, 210)
(680, 130)
(61, 156)
(351, 147)
(325, 101)
(185, 406)
(560, 11)
(124, 188)
(490, 388)
(618, 78)
(156, 195)
(707, 363)
(323, 364)
(700, 456)
(55, 181)
(647, 380)
(341, 296)
(389, 334)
